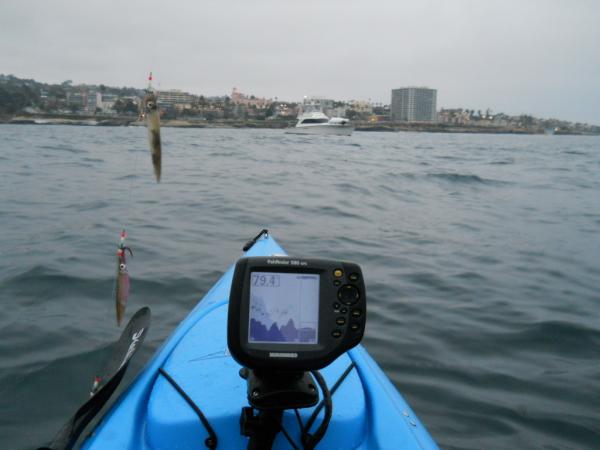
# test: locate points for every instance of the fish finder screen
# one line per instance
(284, 308)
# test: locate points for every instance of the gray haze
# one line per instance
(538, 57)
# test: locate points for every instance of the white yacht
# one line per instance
(314, 121)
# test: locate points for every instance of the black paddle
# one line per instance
(104, 385)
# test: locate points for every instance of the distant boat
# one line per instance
(316, 122)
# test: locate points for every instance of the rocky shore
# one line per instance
(82, 120)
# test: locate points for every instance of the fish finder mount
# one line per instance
(289, 317)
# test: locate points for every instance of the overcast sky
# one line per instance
(538, 57)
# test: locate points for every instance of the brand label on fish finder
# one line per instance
(287, 262)
(282, 355)
(294, 314)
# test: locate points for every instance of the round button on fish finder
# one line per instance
(348, 294)
(280, 313)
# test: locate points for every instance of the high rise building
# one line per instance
(412, 104)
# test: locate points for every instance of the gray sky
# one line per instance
(539, 57)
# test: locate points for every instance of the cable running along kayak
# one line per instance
(190, 394)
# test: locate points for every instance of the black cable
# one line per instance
(309, 441)
(299, 420)
(288, 437)
(319, 407)
(211, 441)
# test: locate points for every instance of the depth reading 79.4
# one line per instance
(265, 280)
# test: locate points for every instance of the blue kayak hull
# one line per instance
(368, 411)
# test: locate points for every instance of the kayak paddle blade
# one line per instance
(113, 373)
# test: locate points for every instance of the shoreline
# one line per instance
(82, 120)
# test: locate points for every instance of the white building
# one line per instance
(361, 106)
(176, 98)
(317, 104)
(413, 104)
(105, 102)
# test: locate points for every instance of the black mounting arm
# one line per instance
(271, 394)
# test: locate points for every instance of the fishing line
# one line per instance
(123, 235)
(127, 215)
(129, 212)
(132, 177)
(120, 287)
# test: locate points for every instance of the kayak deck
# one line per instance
(368, 412)
(221, 394)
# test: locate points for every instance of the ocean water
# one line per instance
(481, 255)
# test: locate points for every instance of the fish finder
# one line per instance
(293, 314)
(287, 318)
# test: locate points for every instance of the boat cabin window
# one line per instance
(315, 121)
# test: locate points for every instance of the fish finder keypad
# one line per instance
(349, 313)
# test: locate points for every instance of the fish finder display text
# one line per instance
(263, 280)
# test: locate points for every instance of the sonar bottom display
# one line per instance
(284, 308)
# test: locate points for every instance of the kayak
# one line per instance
(190, 394)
